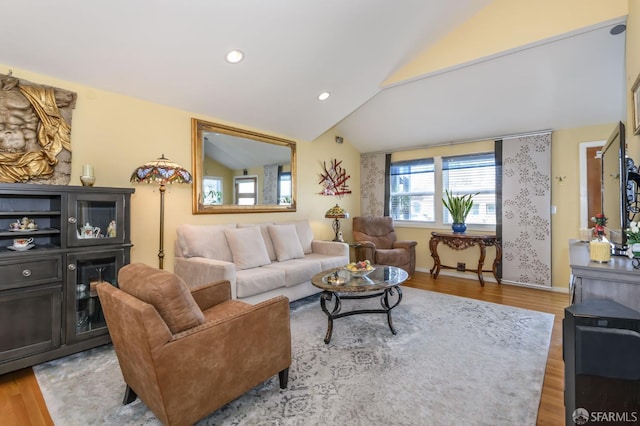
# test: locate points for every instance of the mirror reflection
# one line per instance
(240, 171)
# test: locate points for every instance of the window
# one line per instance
(413, 195)
(472, 174)
(212, 190)
(246, 190)
(412, 187)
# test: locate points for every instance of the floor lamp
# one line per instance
(161, 172)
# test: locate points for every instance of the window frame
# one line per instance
(438, 223)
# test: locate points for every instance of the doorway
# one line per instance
(590, 181)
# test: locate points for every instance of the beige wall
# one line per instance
(483, 35)
(117, 133)
(565, 195)
(633, 71)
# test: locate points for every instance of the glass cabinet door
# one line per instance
(84, 272)
(96, 219)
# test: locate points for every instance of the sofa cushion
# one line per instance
(167, 292)
(205, 241)
(305, 234)
(297, 271)
(247, 247)
(286, 242)
(264, 230)
(250, 282)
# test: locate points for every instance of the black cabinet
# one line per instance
(75, 238)
(601, 349)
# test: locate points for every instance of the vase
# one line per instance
(459, 228)
(87, 180)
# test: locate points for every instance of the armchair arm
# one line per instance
(220, 359)
(197, 271)
(404, 244)
(366, 251)
(209, 295)
(330, 248)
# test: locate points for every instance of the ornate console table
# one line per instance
(461, 242)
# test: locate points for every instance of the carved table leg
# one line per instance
(433, 247)
(483, 253)
(497, 261)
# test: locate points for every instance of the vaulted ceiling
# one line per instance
(173, 53)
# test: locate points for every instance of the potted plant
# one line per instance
(459, 207)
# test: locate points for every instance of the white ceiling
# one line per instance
(172, 53)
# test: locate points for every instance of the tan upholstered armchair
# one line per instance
(187, 353)
(377, 238)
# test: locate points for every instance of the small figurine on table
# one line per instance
(111, 229)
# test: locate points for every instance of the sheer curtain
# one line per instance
(270, 185)
(524, 208)
(374, 189)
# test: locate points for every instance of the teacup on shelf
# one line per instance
(22, 242)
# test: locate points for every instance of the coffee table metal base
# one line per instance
(389, 299)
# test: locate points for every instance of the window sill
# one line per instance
(440, 227)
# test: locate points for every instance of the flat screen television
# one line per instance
(614, 188)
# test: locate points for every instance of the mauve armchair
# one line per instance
(186, 353)
(378, 243)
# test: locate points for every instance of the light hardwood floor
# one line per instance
(21, 402)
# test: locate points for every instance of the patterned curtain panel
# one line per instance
(372, 184)
(526, 209)
(270, 188)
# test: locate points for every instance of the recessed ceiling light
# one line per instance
(323, 96)
(234, 56)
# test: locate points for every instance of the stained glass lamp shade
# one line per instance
(161, 171)
(336, 213)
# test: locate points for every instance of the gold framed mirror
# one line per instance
(240, 171)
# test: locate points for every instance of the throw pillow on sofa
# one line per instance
(305, 234)
(264, 230)
(247, 247)
(286, 242)
(205, 241)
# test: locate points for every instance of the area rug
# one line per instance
(454, 361)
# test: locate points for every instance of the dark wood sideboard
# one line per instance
(48, 304)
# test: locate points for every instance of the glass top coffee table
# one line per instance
(339, 284)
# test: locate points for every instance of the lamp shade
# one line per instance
(336, 212)
(161, 171)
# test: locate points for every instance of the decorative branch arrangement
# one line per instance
(334, 179)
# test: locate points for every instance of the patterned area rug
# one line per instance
(453, 361)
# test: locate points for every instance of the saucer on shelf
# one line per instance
(23, 229)
(21, 248)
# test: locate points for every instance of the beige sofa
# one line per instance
(260, 260)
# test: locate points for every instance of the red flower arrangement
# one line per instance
(601, 220)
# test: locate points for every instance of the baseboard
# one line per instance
(489, 278)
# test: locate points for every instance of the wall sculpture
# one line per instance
(35, 132)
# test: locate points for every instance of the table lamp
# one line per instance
(336, 213)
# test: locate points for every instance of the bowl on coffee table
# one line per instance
(360, 269)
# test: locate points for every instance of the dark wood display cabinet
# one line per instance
(75, 237)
